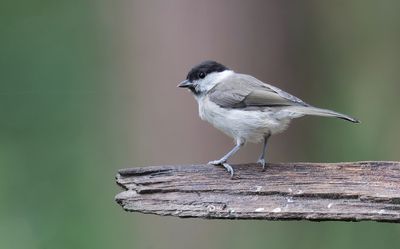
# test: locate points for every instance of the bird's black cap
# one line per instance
(203, 69)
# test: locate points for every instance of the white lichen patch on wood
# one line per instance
(277, 210)
(211, 208)
(258, 188)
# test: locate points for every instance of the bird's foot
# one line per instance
(261, 161)
(228, 168)
(217, 162)
(224, 164)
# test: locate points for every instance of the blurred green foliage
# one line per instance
(59, 147)
(56, 157)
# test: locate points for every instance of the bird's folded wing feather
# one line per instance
(241, 91)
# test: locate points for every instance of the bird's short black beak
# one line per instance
(185, 84)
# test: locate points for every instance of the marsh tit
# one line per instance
(244, 107)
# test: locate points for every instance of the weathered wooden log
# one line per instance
(287, 191)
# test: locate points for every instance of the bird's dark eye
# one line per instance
(202, 75)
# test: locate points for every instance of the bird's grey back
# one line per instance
(245, 91)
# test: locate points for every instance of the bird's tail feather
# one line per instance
(310, 110)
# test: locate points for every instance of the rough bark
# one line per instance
(288, 191)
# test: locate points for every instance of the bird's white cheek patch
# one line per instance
(212, 79)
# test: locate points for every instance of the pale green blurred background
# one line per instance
(88, 87)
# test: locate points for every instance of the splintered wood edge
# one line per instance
(351, 191)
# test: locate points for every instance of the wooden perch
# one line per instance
(288, 191)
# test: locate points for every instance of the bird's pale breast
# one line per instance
(249, 125)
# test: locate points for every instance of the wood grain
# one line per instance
(287, 191)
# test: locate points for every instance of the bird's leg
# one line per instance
(222, 161)
(239, 144)
(261, 160)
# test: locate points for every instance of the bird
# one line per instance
(245, 108)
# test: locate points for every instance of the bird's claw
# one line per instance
(228, 168)
(224, 164)
(217, 162)
(262, 162)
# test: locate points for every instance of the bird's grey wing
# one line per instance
(241, 91)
